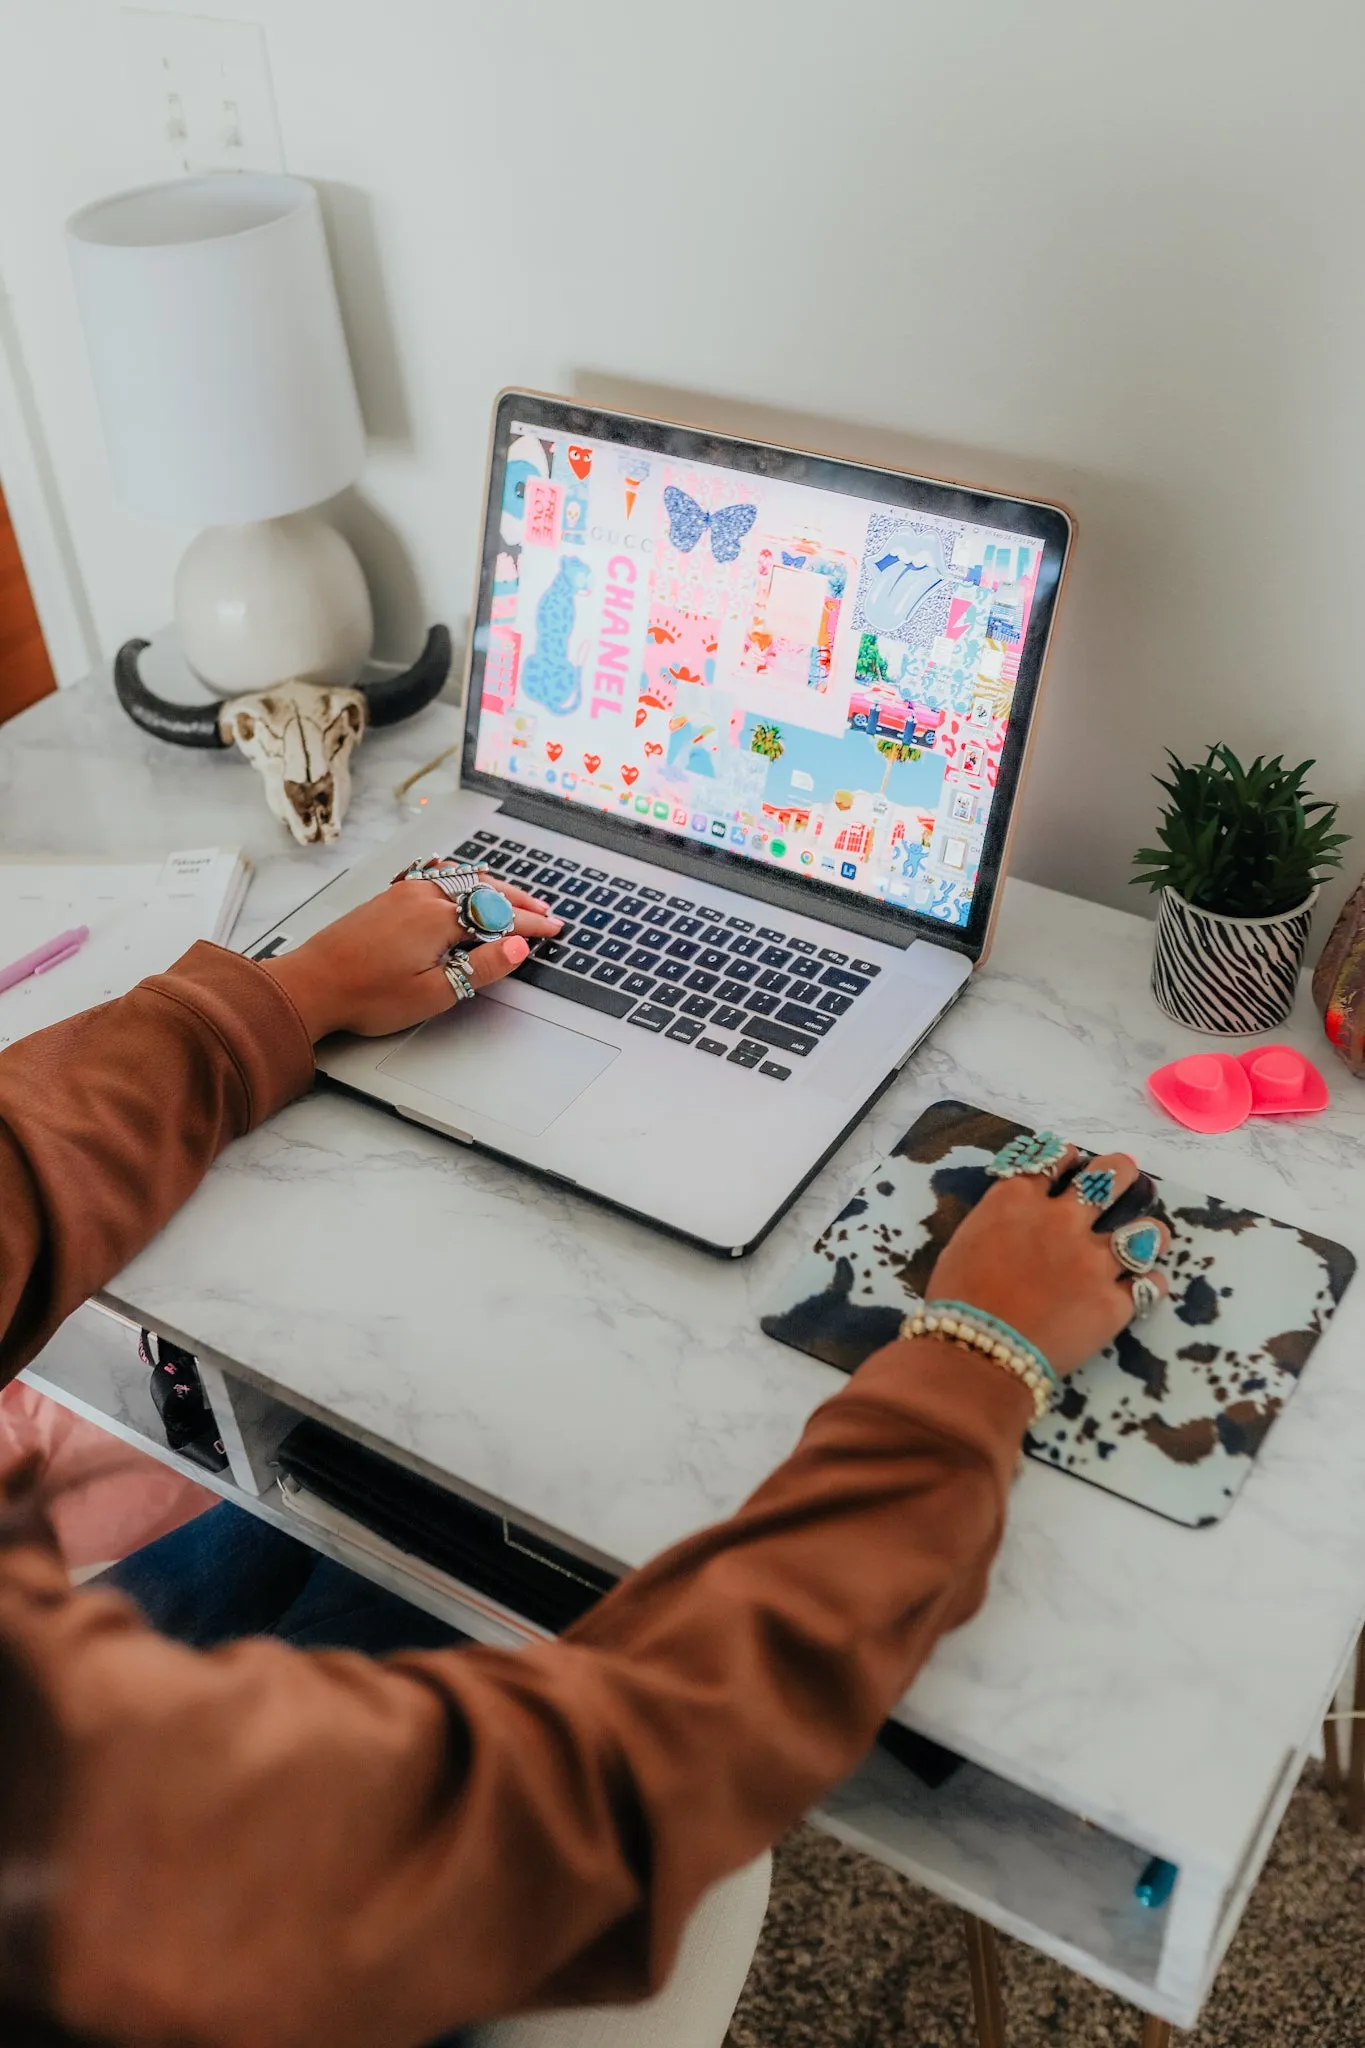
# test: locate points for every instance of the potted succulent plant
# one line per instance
(1241, 858)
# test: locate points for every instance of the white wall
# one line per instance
(1075, 247)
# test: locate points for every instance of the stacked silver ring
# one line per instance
(455, 968)
(1146, 1295)
(458, 884)
(455, 879)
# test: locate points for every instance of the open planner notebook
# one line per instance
(142, 916)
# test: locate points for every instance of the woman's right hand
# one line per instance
(1035, 1259)
(379, 968)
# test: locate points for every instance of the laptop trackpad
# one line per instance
(500, 1062)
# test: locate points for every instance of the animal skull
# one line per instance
(300, 737)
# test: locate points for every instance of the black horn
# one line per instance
(393, 698)
(188, 725)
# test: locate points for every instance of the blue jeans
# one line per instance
(228, 1574)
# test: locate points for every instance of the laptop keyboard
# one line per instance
(736, 991)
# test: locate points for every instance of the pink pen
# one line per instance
(51, 954)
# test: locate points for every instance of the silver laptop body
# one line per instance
(752, 950)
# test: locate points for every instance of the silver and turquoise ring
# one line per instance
(1033, 1152)
(484, 912)
(1146, 1296)
(1137, 1245)
(1095, 1187)
(455, 967)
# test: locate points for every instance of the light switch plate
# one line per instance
(204, 89)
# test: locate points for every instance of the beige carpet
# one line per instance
(854, 1957)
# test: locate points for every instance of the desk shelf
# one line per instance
(1030, 1868)
(92, 1367)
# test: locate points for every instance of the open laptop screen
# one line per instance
(806, 666)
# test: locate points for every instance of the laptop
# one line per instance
(754, 721)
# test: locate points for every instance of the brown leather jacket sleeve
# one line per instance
(267, 1849)
(108, 1122)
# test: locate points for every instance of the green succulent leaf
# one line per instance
(1241, 841)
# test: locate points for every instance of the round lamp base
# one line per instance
(256, 605)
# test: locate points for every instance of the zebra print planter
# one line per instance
(1228, 975)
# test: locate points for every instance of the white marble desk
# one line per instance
(611, 1386)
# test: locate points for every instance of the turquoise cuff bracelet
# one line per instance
(959, 1323)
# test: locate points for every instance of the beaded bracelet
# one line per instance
(976, 1331)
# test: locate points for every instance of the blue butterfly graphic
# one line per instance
(687, 523)
(793, 561)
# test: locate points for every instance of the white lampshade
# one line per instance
(217, 348)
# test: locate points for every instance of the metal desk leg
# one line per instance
(1156, 2033)
(984, 1963)
(1355, 1769)
(1332, 1780)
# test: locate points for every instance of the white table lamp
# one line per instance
(227, 399)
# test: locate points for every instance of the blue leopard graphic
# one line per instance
(548, 675)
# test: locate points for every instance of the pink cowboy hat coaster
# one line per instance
(1283, 1082)
(1215, 1092)
(1206, 1091)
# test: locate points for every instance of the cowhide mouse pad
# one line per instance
(1172, 1414)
